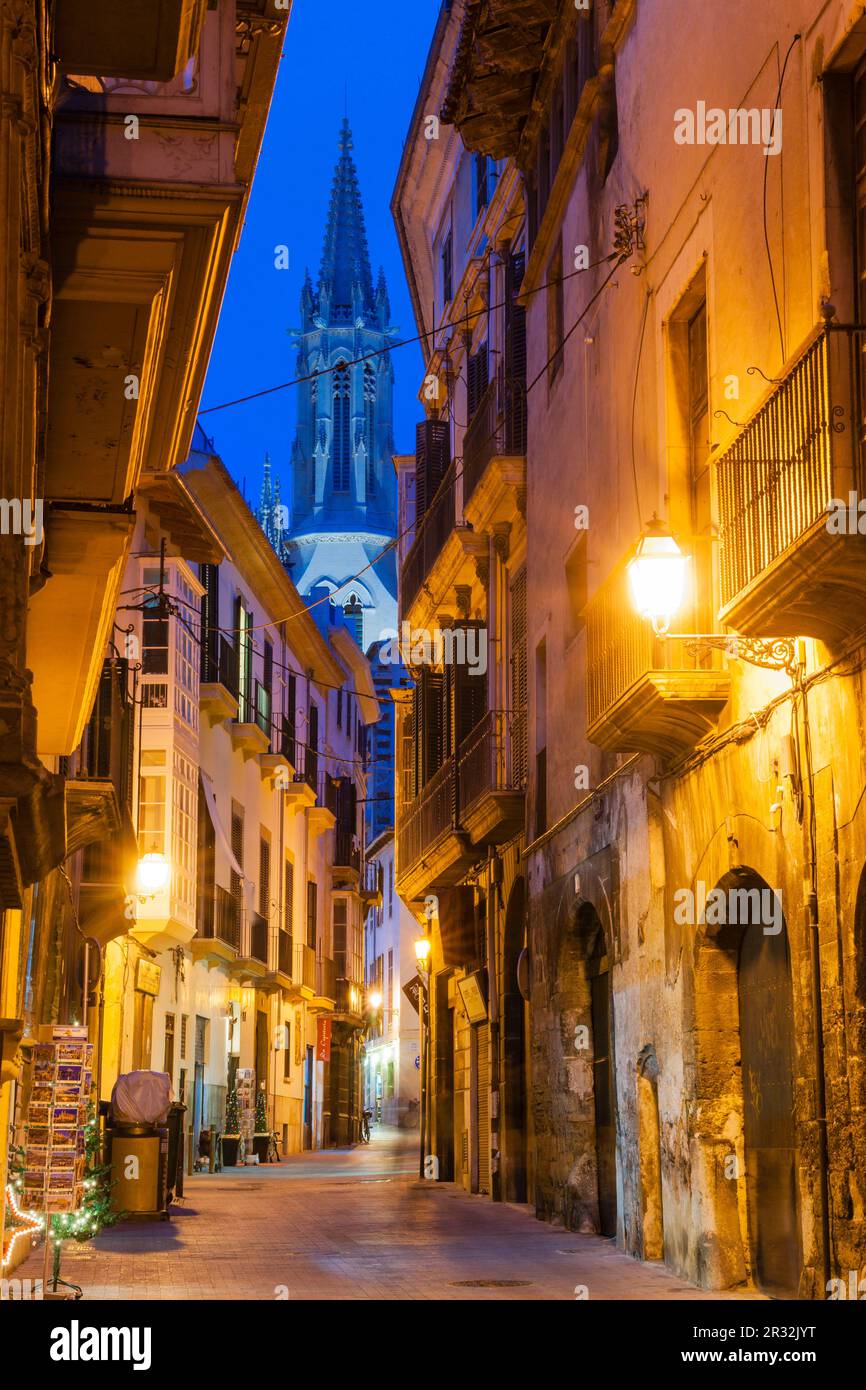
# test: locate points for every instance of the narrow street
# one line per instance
(352, 1224)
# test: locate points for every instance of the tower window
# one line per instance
(370, 425)
(342, 449)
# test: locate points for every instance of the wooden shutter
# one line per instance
(519, 682)
(238, 852)
(468, 692)
(289, 731)
(477, 378)
(429, 729)
(407, 759)
(264, 877)
(482, 1082)
(432, 460)
(312, 912)
(209, 654)
(289, 898)
(515, 357)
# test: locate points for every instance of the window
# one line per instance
(151, 812)
(184, 1030)
(342, 433)
(370, 425)
(540, 738)
(690, 428)
(391, 886)
(447, 268)
(519, 682)
(477, 370)
(264, 875)
(390, 995)
(154, 641)
(236, 881)
(312, 913)
(243, 624)
(287, 1050)
(340, 924)
(209, 651)
(481, 181)
(340, 708)
(168, 1050)
(555, 316)
(289, 898)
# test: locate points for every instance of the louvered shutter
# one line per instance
(515, 357)
(209, 653)
(519, 682)
(432, 459)
(407, 761)
(264, 877)
(477, 379)
(289, 898)
(468, 691)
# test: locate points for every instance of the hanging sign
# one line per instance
(323, 1040)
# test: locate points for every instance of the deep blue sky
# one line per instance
(379, 50)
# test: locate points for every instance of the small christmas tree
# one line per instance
(262, 1113)
(233, 1113)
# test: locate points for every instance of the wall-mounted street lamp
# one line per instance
(657, 577)
(422, 953)
(154, 873)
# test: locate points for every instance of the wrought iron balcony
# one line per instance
(304, 966)
(326, 978)
(491, 799)
(218, 691)
(256, 937)
(284, 953)
(783, 571)
(219, 916)
(497, 429)
(431, 534)
(643, 693)
(474, 799)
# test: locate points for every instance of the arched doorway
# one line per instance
(770, 1142)
(744, 1033)
(603, 1069)
(649, 1141)
(515, 1107)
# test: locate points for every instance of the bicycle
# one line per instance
(365, 1126)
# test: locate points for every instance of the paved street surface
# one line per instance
(351, 1224)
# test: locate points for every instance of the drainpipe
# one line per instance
(817, 1004)
(494, 878)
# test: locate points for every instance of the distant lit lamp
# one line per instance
(422, 953)
(154, 873)
(375, 1000)
(657, 576)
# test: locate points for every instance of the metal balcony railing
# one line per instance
(484, 762)
(219, 916)
(256, 935)
(350, 996)
(791, 458)
(498, 427)
(428, 816)
(284, 952)
(220, 664)
(326, 978)
(622, 648)
(263, 709)
(432, 532)
(304, 965)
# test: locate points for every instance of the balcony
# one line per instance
(326, 986)
(494, 454)
(371, 884)
(322, 815)
(431, 534)
(218, 690)
(303, 970)
(278, 764)
(491, 801)
(783, 573)
(218, 927)
(143, 40)
(645, 695)
(350, 1000)
(252, 963)
(251, 734)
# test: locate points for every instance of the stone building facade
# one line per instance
(694, 842)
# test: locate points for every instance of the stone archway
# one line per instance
(515, 1032)
(744, 1141)
(582, 1096)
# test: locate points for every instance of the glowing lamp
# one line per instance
(657, 576)
(422, 952)
(375, 1000)
(154, 873)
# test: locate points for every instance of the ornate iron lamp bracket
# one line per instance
(773, 653)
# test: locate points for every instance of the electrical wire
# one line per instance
(453, 324)
(795, 40)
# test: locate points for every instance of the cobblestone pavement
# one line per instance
(351, 1224)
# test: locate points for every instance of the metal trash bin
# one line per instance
(138, 1154)
(137, 1143)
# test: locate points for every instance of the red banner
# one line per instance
(323, 1040)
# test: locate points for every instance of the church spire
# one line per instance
(345, 278)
